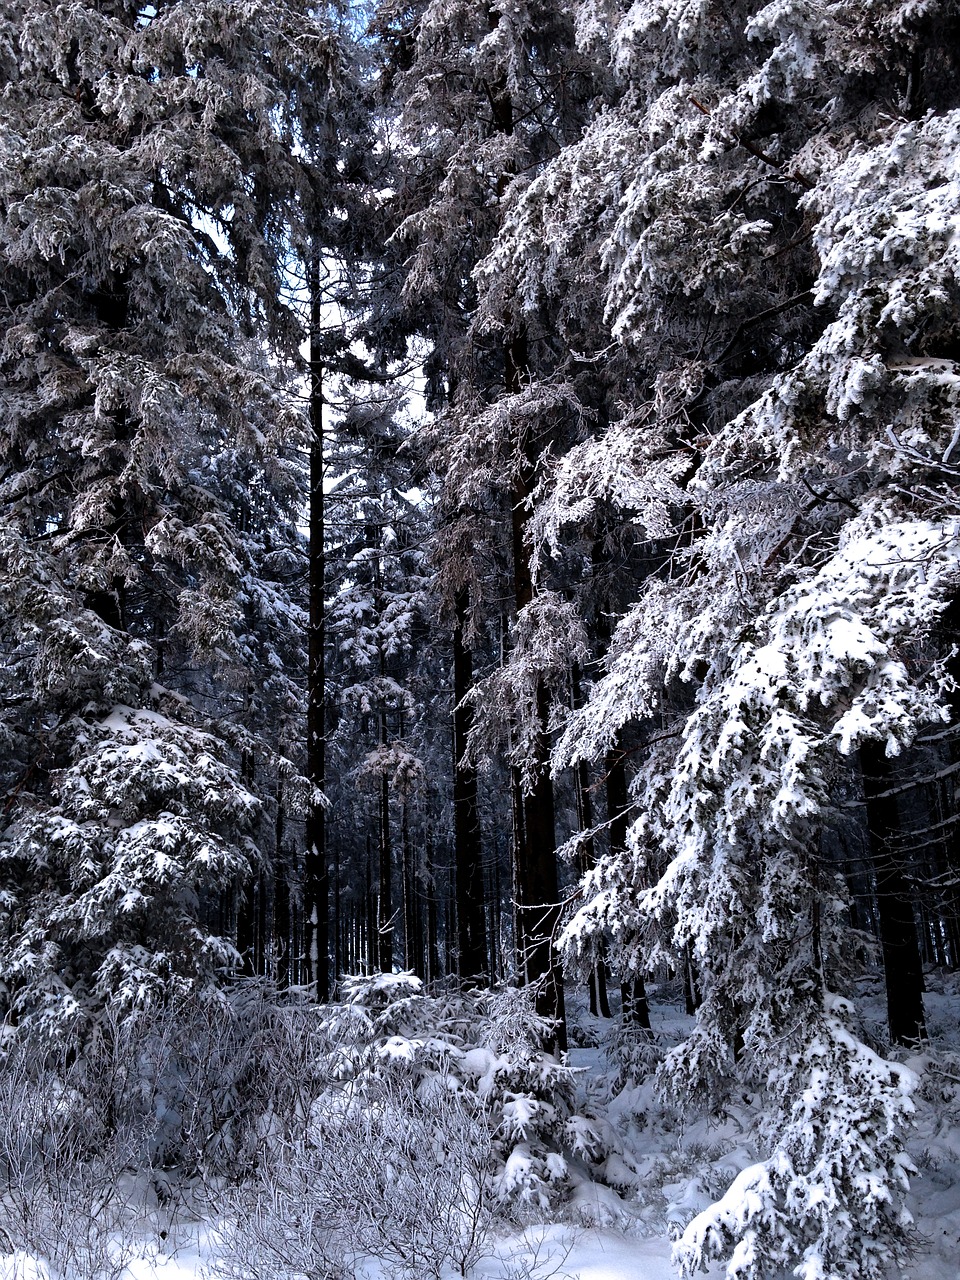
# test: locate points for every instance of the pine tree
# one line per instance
(484, 101)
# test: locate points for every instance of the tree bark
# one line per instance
(316, 889)
(599, 1002)
(899, 944)
(385, 881)
(634, 1007)
(471, 915)
(537, 881)
(432, 925)
(281, 908)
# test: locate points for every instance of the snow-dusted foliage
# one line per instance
(753, 248)
(144, 818)
(838, 1172)
(549, 637)
(484, 1048)
(153, 182)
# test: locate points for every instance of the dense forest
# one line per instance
(480, 548)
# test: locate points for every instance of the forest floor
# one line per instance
(546, 1253)
(666, 1171)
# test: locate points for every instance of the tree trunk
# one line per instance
(280, 924)
(385, 880)
(412, 931)
(371, 914)
(537, 881)
(599, 1003)
(635, 1009)
(902, 965)
(471, 916)
(316, 889)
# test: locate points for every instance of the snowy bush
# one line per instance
(434, 1117)
(481, 1046)
(831, 1194)
(64, 1195)
(396, 1173)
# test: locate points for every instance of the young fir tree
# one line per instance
(155, 175)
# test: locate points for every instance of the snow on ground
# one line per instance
(545, 1253)
(666, 1173)
(567, 1253)
(540, 1253)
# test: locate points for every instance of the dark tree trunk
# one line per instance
(412, 930)
(899, 944)
(538, 905)
(471, 914)
(245, 899)
(495, 923)
(949, 629)
(316, 889)
(599, 1003)
(371, 900)
(385, 881)
(691, 1000)
(282, 924)
(339, 926)
(635, 1009)
(537, 882)
(536, 879)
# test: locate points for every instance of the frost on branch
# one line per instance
(144, 818)
(730, 815)
(549, 636)
(480, 1049)
(828, 1203)
(875, 383)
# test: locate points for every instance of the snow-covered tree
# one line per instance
(762, 221)
(158, 171)
(486, 95)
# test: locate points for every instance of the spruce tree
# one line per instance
(155, 180)
(761, 221)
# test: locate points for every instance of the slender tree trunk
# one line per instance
(371, 899)
(691, 1000)
(245, 897)
(494, 924)
(357, 955)
(538, 890)
(433, 942)
(384, 909)
(316, 889)
(471, 915)
(296, 927)
(535, 863)
(518, 856)
(635, 1009)
(340, 926)
(949, 628)
(899, 944)
(412, 947)
(599, 1003)
(281, 931)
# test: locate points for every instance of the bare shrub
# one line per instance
(391, 1173)
(62, 1193)
(102, 1145)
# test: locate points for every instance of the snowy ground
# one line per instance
(666, 1173)
(547, 1253)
